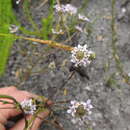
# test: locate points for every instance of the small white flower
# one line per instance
(82, 17)
(123, 10)
(52, 65)
(28, 106)
(76, 106)
(79, 28)
(60, 8)
(13, 28)
(18, 1)
(81, 56)
(128, 74)
(68, 8)
(80, 111)
(57, 32)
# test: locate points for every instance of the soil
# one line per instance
(109, 93)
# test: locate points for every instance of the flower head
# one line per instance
(59, 8)
(68, 8)
(28, 106)
(80, 110)
(81, 56)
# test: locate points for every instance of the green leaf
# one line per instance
(48, 22)
(7, 18)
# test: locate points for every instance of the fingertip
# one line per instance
(40, 118)
(12, 87)
(36, 124)
(2, 127)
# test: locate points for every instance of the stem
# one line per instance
(114, 48)
(48, 42)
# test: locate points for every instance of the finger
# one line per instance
(8, 90)
(2, 127)
(7, 113)
(19, 96)
(36, 124)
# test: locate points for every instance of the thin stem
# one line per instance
(6, 102)
(114, 40)
(48, 42)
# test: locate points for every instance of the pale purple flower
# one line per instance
(28, 106)
(81, 56)
(128, 74)
(59, 8)
(87, 106)
(68, 8)
(80, 111)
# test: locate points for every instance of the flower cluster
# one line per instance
(80, 111)
(68, 8)
(81, 56)
(28, 106)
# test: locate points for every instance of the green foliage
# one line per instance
(28, 15)
(46, 26)
(6, 19)
(48, 22)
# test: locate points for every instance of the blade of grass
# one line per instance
(7, 18)
(48, 22)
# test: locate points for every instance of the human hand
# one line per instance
(19, 95)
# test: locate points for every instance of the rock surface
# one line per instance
(110, 95)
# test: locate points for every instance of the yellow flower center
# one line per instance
(80, 55)
(27, 108)
(80, 111)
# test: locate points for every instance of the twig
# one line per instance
(42, 4)
(114, 40)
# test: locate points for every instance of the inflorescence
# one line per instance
(28, 106)
(81, 56)
(80, 111)
(70, 9)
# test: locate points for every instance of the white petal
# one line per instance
(88, 101)
(69, 111)
(73, 102)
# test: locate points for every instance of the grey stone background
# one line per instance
(111, 101)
